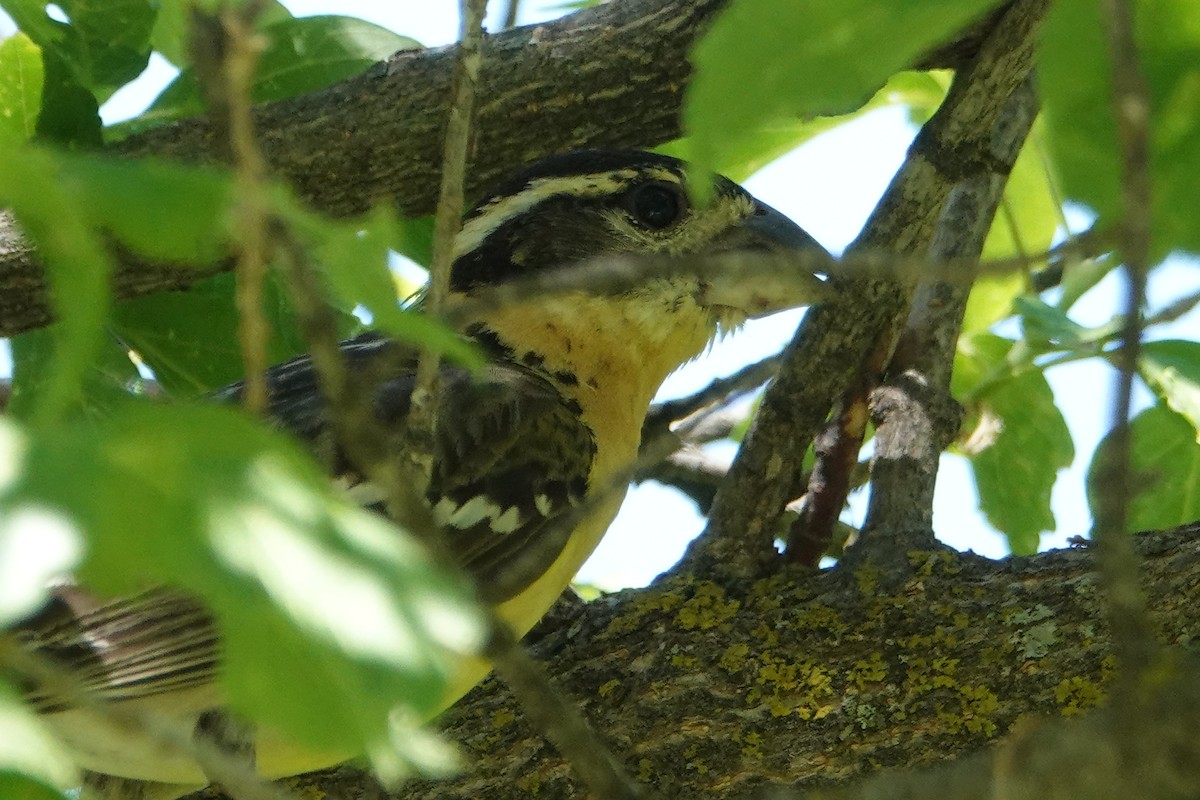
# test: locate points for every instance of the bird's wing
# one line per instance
(511, 456)
(511, 460)
(133, 647)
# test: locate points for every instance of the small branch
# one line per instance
(691, 472)
(915, 415)
(510, 14)
(829, 483)
(225, 49)
(719, 392)
(839, 337)
(1174, 310)
(1119, 565)
(379, 134)
(422, 420)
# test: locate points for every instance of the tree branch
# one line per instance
(815, 679)
(609, 76)
(853, 333)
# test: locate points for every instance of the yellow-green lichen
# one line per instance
(818, 618)
(707, 608)
(792, 687)
(530, 783)
(867, 671)
(1076, 695)
(644, 770)
(977, 706)
(751, 744)
(607, 687)
(662, 600)
(695, 763)
(927, 562)
(765, 634)
(502, 718)
(684, 662)
(734, 657)
(867, 578)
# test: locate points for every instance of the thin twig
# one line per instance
(690, 471)
(422, 420)
(1133, 639)
(615, 274)
(510, 14)
(231, 47)
(721, 392)
(915, 415)
(1174, 310)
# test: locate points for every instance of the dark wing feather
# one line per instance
(528, 454)
(505, 434)
(512, 455)
(155, 642)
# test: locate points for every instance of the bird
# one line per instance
(541, 431)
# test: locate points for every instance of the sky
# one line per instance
(828, 186)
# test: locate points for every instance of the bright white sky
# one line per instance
(828, 186)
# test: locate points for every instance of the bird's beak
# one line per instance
(759, 294)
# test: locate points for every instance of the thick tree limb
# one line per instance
(609, 76)
(810, 680)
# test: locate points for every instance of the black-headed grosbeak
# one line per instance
(556, 413)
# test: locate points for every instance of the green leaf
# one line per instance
(17, 786)
(1080, 277)
(37, 545)
(1165, 460)
(164, 212)
(70, 115)
(31, 759)
(414, 239)
(190, 339)
(991, 300)
(169, 35)
(1172, 368)
(922, 92)
(764, 61)
(303, 54)
(104, 45)
(77, 264)
(108, 379)
(1075, 75)
(1047, 326)
(1020, 444)
(21, 77)
(353, 257)
(316, 598)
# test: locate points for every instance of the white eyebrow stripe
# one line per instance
(496, 213)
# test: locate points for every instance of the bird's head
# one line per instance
(582, 206)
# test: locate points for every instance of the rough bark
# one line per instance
(609, 76)
(812, 680)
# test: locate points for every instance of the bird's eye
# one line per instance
(655, 205)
